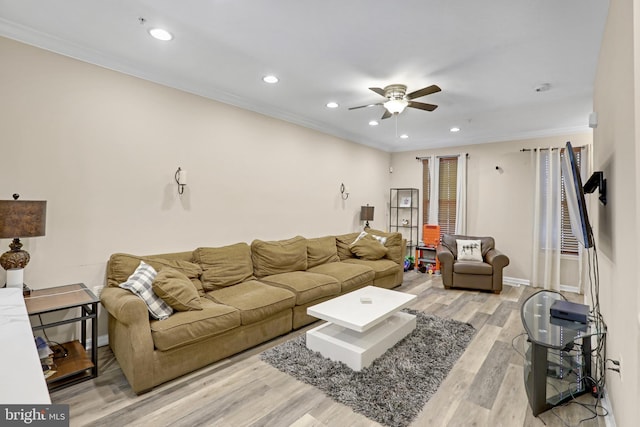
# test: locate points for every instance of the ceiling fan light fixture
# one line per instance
(396, 106)
(332, 105)
(270, 79)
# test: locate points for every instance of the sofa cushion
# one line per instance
(321, 250)
(381, 267)
(255, 301)
(472, 267)
(186, 327)
(121, 266)
(279, 256)
(350, 276)
(224, 266)
(368, 247)
(343, 242)
(140, 284)
(306, 286)
(176, 290)
(393, 243)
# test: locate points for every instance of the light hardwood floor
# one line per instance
(485, 387)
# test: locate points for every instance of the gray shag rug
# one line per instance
(395, 387)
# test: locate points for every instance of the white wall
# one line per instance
(102, 148)
(617, 102)
(499, 202)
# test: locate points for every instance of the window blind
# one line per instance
(447, 186)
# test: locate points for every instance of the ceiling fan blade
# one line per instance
(386, 115)
(378, 90)
(365, 106)
(424, 91)
(422, 106)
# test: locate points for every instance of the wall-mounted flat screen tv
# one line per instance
(578, 216)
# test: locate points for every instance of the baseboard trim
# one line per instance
(102, 341)
(515, 281)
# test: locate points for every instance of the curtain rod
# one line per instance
(438, 157)
(552, 148)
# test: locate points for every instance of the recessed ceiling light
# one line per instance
(373, 123)
(270, 79)
(160, 34)
(404, 136)
(332, 105)
(454, 129)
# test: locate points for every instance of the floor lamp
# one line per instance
(20, 218)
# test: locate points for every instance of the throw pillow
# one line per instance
(368, 248)
(176, 290)
(469, 250)
(140, 283)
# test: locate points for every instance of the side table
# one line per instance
(77, 365)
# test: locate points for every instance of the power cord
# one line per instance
(59, 350)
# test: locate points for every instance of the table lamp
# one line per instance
(366, 214)
(20, 218)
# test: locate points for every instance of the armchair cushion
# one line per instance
(469, 250)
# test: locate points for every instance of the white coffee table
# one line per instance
(361, 326)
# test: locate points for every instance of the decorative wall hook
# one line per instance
(344, 192)
(181, 179)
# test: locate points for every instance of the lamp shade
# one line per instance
(366, 213)
(22, 218)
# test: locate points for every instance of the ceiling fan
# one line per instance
(398, 99)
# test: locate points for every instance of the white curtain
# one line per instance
(461, 195)
(434, 173)
(546, 219)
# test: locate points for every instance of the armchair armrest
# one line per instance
(446, 265)
(496, 258)
(499, 261)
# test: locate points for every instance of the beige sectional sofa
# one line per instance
(244, 295)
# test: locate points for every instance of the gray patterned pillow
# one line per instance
(140, 283)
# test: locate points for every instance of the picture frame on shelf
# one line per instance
(405, 202)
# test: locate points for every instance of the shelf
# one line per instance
(75, 363)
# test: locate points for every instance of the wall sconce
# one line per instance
(181, 179)
(20, 218)
(366, 214)
(344, 192)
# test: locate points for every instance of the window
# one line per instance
(447, 189)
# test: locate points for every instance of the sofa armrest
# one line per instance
(130, 336)
(446, 258)
(124, 306)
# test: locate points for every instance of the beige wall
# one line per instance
(102, 148)
(616, 100)
(499, 202)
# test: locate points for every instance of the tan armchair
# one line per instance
(485, 273)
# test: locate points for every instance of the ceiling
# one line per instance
(488, 57)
